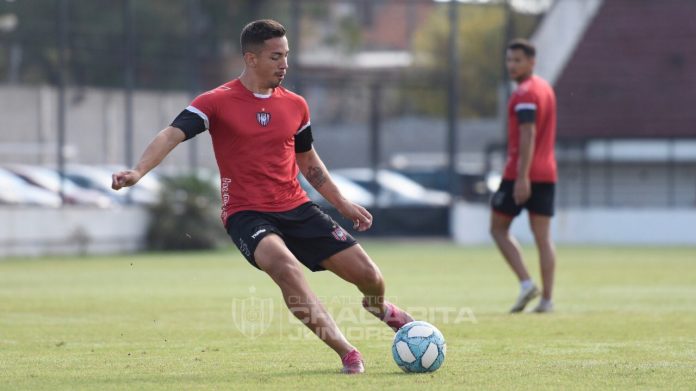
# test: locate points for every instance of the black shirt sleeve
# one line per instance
(190, 123)
(526, 116)
(303, 140)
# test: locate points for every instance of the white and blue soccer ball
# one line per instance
(419, 347)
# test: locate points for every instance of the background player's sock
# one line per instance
(526, 285)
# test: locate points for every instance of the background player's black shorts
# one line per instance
(310, 234)
(541, 201)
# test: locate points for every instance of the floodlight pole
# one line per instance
(62, 45)
(194, 27)
(453, 97)
(129, 76)
(375, 124)
(295, 81)
(507, 89)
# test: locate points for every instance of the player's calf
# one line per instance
(390, 314)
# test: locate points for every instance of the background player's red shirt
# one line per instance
(534, 93)
(254, 144)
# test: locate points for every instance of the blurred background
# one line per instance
(408, 102)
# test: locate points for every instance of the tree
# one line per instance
(169, 40)
(481, 49)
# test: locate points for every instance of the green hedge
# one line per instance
(187, 216)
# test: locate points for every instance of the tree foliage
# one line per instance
(175, 41)
(186, 217)
(193, 45)
(481, 46)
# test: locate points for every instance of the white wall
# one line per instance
(95, 127)
(596, 226)
(74, 230)
(71, 230)
(559, 34)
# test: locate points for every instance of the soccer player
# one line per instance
(261, 137)
(530, 174)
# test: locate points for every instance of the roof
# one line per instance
(632, 74)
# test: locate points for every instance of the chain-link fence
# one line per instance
(390, 83)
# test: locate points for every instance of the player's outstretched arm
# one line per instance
(318, 176)
(155, 152)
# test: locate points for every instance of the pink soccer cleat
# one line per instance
(353, 363)
(393, 316)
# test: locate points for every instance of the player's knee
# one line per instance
(285, 272)
(372, 277)
(541, 235)
(497, 232)
(543, 239)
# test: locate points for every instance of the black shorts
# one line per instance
(310, 234)
(541, 201)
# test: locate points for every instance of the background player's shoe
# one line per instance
(393, 316)
(526, 295)
(544, 306)
(353, 363)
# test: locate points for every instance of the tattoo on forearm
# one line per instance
(316, 177)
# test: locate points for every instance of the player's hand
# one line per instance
(124, 179)
(361, 218)
(522, 191)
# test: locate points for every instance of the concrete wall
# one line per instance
(559, 33)
(74, 231)
(95, 131)
(95, 125)
(71, 231)
(594, 226)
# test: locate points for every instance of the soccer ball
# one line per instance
(419, 347)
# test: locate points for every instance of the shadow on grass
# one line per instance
(337, 372)
(297, 372)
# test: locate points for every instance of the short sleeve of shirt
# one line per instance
(526, 107)
(196, 117)
(305, 122)
(303, 136)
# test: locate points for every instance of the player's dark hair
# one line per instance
(523, 45)
(257, 32)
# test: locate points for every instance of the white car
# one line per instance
(394, 189)
(50, 179)
(352, 191)
(16, 191)
(99, 178)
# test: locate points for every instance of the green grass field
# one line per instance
(625, 319)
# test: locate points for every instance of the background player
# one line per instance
(530, 174)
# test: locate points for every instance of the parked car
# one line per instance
(351, 190)
(16, 191)
(394, 189)
(148, 188)
(98, 178)
(50, 179)
(472, 187)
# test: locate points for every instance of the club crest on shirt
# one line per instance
(339, 234)
(263, 118)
